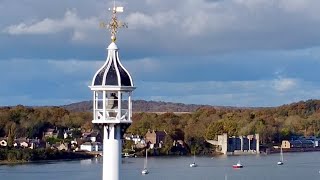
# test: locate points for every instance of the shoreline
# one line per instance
(274, 151)
(293, 150)
(3, 163)
(24, 156)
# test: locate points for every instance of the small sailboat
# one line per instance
(238, 165)
(194, 161)
(145, 169)
(281, 157)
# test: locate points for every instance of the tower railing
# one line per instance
(111, 115)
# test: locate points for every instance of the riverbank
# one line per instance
(293, 150)
(21, 156)
(3, 163)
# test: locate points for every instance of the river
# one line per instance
(297, 166)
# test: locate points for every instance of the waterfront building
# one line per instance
(24, 142)
(112, 87)
(51, 133)
(91, 146)
(93, 136)
(3, 142)
(21, 142)
(67, 134)
(237, 145)
(62, 146)
(155, 138)
(315, 140)
(302, 143)
(135, 138)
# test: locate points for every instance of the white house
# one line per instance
(24, 144)
(63, 146)
(65, 135)
(136, 138)
(3, 143)
(91, 146)
(93, 136)
(21, 142)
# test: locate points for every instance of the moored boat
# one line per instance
(238, 165)
(193, 164)
(194, 161)
(145, 169)
(281, 157)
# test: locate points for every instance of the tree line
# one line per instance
(273, 124)
(21, 121)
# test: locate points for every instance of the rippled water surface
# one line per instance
(298, 166)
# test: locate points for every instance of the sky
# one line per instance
(242, 53)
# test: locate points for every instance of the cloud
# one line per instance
(276, 65)
(138, 20)
(236, 93)
(73, 66)
(162, 28)
(30, 82)
(296, 5)
(70, 21)
(284, 84)
(43, 80)
(220, 52)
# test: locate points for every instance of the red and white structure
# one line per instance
(112, 87)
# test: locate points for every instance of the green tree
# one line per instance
(214, 129)
(167, 146)
(11, 132)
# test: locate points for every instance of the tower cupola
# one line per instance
(112, 73)
(112, 84)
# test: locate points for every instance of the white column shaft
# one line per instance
(111, 155)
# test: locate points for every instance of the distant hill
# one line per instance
(307, 107)
(142, 106)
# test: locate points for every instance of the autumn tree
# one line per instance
(214, 129)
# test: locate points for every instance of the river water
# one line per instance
(297, 166)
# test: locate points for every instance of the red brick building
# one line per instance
(155, 138)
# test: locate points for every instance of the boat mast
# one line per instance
(146, 160)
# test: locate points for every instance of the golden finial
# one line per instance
(114, 24)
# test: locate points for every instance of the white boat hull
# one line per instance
(238, 165)
(280, 163)
(145, 171)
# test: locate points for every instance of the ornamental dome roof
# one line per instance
(112, 73)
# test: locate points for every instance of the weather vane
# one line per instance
(114, 24)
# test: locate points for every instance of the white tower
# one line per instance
(112, 88)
